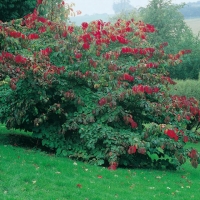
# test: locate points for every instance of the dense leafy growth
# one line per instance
(97, 93)
(14, 9)
(172, 28)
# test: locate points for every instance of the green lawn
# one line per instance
(29, 173)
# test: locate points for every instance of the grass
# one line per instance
(27, 172)
(194, 24)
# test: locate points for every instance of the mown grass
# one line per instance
(188, 88)
(27, 172)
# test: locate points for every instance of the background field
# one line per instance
(194, 24)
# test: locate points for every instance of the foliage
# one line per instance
(172, 28)
(14, 9)
(126, 15)
(55, 10)
(189, 88)
(97, 93)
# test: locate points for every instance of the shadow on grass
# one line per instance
(24, 141)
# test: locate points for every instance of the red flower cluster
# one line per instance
(39, 2)
(42, 19)
(171, 134)
(194, 110)
(86, 46)
(129, 120)
(53, 70)
(128, 77)
(152, 65)
(64, 34)
(33, 36)
(164, 44)
(132, 69)
(168, 79)
(113, 166)
(16, 34)
(147, 28)
(7, 55)
(142, 150)
(122, 40)
(86, 38)
(141, 51)
(193, 153)
(46, 51)
(187, 51)
(145, 89)
(70, 29)
(84, 25)
(20, 59)
(42, 29)
(183, 102)
(93, 63)
(132, 149)
(185, 139)
(78, 55)
(102, 101)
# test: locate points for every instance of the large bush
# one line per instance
(97, 93)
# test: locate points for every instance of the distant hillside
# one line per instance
(191, 10)
(88, 18)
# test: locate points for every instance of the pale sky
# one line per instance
(105, 6)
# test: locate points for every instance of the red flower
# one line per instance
(46, 51)
(20, 59)
(33, 36)
(7, 55)
(42, 19)
(64, 34)
(39, 2)
(42, 29)
(84, 25)
(128, 77)
(15, 34)
(86, 46)
(142, 150)
(148, 89)
(132, 149)
(113, 38)
(185, 139)
(78, 55)
(1, 59)
(122, 40)
(192, 153)
(156, 89)
(171, 134)
(102, 101)
(71, 29)
(113, 166)
(132, 69)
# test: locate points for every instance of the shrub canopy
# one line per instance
(97, 93)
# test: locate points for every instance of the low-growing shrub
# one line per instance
(97, 93)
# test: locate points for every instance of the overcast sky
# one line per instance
(105, 6)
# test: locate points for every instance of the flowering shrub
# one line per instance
(97, 93)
